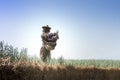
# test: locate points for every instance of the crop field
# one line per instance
(60, 70)
(88, 63)
(17, 65)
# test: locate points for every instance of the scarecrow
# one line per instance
(48, 43)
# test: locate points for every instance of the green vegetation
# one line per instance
(17, 65)
(15, 55)
(88, 63)
(9, 51)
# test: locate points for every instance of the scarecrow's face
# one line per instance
(46, 30)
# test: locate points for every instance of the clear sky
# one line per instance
(88, 29)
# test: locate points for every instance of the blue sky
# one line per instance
(88, 29)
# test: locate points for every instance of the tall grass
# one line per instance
(15, 65)
(27, 70)
(88, 63)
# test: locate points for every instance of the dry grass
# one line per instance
(33, 71)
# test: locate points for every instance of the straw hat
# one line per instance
(46, 27)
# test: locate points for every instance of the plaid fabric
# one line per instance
(52, 37)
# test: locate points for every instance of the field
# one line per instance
(17, 65)
(60, 70)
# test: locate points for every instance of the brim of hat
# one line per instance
(44, 27)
